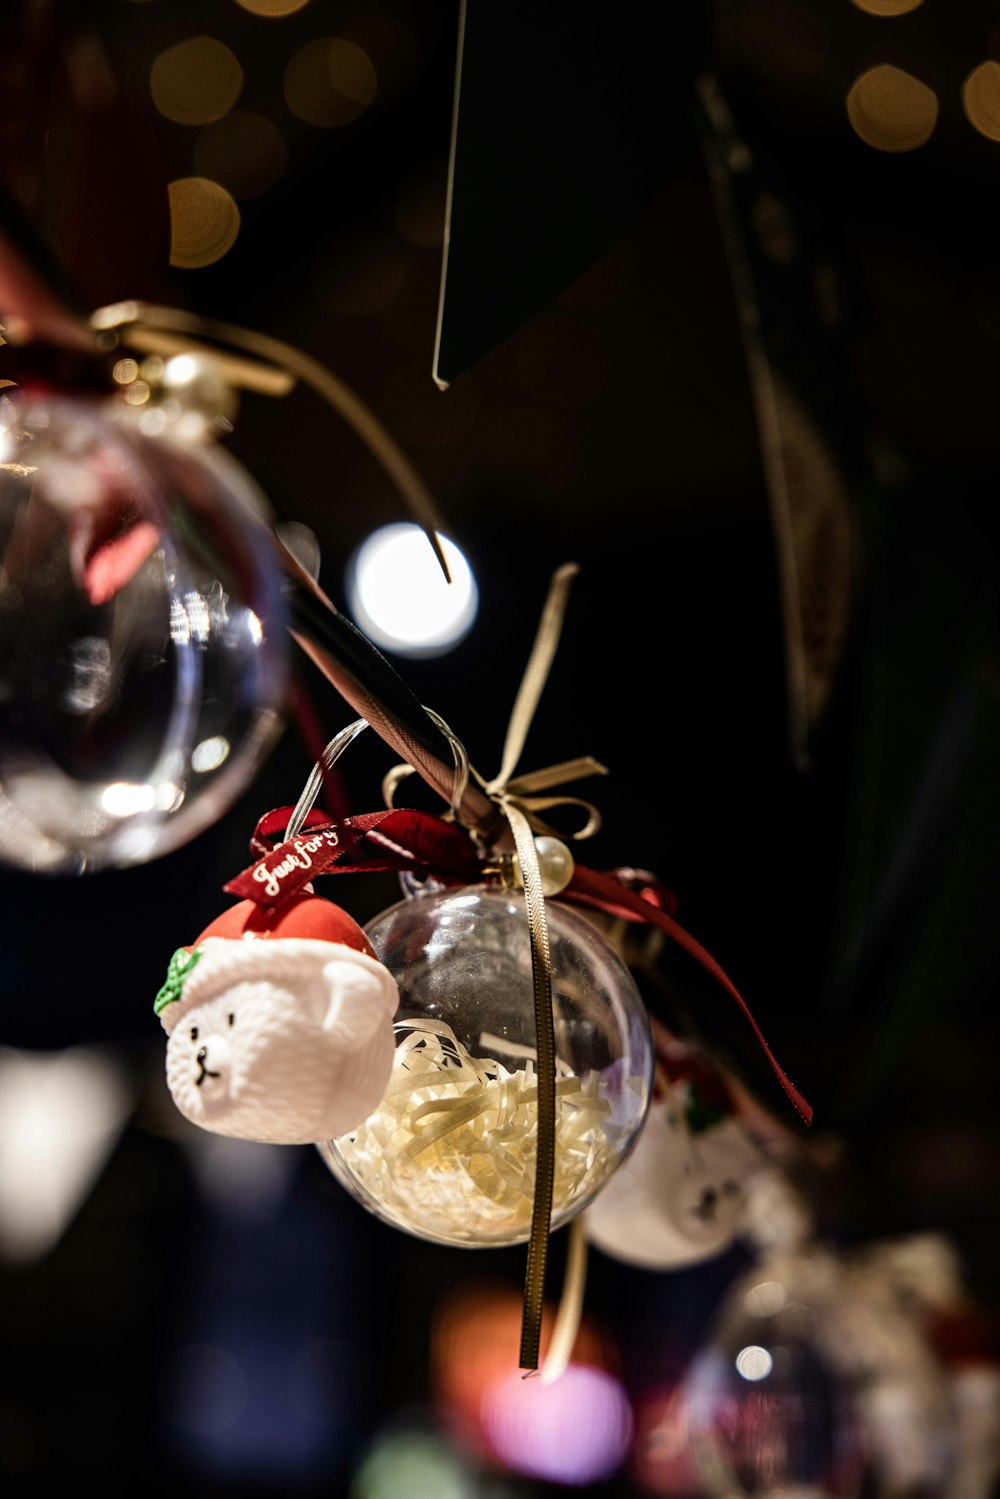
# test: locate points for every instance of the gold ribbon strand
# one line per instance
(519, 801)
(520, 808)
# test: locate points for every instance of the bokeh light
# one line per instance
(330, 81)
(891, 110)
(576, 1430)
(125, 371)
(981, 99)
(766, 1299)
(474, 1346)
(412, 1465)
(60, 1116)
(754, 1363)
(272, 9)
(888, 7)
(204, 222)
(210, 753)
(399, 596)
(243, 151)
(196, 81)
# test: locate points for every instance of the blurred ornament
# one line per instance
(449, 1155)
(279, 1024)
(680, 1197)
(61, 1117)
(143, 617)
(768, 1411)
(819, 1379)
(142, 631)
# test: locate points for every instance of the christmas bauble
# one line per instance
(449, 1154)
(819, 1381)
(769, 1411)
(142, 636)
(679, 1198)
(279, 1024)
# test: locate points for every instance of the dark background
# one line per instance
(846, 877)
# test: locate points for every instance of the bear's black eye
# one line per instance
(232, 1020)
(194, 1033)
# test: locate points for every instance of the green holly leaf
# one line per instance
(179, 967)
(699, 1114)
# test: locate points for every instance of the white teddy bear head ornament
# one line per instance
(279, 1024)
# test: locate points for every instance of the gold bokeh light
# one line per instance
(196, 82)
(891, 110)
(272, 8)
(330, 81)
(888, 7)
(243, 151)
(204, 222)
(981, 99)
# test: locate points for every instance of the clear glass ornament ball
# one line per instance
(819, 1383)
(450, 1153)
(769, 1412)
(142, 636)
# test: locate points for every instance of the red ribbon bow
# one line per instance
(417, 842)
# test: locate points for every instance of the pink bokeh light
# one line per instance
(574, 1431)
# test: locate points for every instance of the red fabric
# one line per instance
(113, 562)
(601, 891)
(375, 841)
(308, 916)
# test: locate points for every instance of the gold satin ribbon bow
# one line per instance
(520, 792)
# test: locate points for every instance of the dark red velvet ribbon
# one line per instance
(418, 842)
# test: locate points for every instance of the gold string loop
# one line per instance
(463, 770)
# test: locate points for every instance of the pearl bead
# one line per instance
(555, 864)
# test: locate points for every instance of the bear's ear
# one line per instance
(363, 997)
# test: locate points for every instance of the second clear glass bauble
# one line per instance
(143, 636)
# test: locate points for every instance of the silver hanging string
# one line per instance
(314, 784)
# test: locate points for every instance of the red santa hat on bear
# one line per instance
(279, 1024)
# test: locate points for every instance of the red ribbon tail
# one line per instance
(607, 894)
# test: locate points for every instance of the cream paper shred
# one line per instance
(450, 1151)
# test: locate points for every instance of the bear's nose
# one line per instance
(203, 1054)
